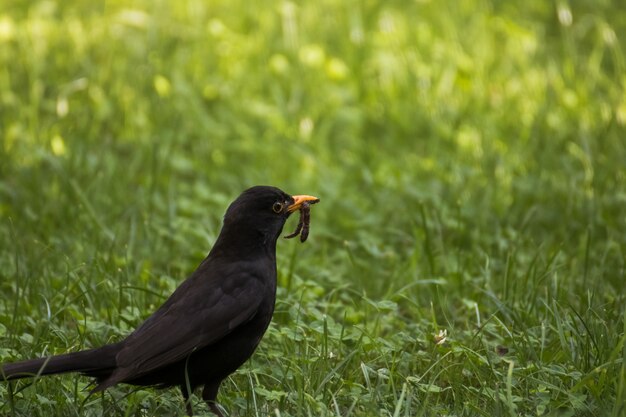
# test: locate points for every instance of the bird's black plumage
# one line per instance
(210, 325)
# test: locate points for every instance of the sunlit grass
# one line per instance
(470, 160)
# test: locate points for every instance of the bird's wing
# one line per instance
(200, 312)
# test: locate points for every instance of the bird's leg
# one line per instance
(186, 396)
(209, 394)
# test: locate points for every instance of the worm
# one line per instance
(303, 224)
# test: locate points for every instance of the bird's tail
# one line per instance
(97, 362)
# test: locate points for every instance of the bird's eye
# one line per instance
(277, 207)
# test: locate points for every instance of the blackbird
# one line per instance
(213, 321)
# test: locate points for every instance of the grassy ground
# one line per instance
(471, 161)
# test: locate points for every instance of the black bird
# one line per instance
(210, 325)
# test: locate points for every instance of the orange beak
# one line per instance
(298, 200)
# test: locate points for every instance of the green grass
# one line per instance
(471, 161)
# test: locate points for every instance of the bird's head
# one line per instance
(257, 216)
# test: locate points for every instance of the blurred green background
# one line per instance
(470, 158)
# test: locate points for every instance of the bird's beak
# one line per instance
(299, 199)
